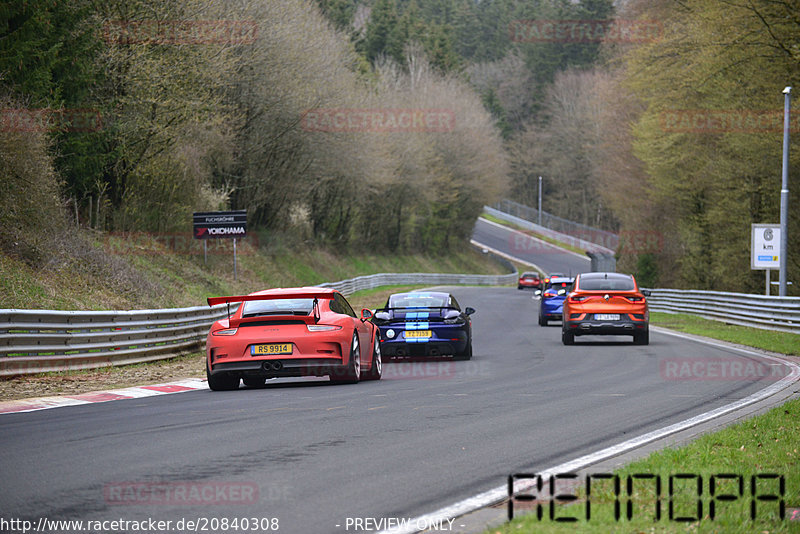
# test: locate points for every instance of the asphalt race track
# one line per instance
(542, 254)
(313, 455)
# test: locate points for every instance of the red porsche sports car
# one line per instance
(303, 331)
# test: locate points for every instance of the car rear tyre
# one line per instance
(642, 338)
(567, 338)
(467, 354)
(542, 320)
(221, 381)
(353, 373)
(254, 381)
(376, 371)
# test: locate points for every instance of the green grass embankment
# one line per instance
(103, 272)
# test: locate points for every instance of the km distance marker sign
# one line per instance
(765, 246)
(220, 224)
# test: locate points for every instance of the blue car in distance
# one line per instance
(424, 324)
(552, 299)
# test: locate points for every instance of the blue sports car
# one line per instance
(552, 299)
(424, 324)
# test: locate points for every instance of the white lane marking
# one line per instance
(497, 494)
(504, 227)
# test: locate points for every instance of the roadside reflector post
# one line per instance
(234, 259)
(205, 252)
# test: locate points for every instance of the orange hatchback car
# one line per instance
(606, 304)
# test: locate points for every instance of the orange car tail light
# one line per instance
(225, 332)
(322, 327)
(577, 298)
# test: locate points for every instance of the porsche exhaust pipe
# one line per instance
(272, 366)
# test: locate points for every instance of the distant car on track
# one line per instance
(529, 280)
(552, 299)
(290, 332)
(424, 324)
(552, 275)
(606, 304)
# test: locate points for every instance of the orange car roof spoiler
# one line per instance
(213, 301)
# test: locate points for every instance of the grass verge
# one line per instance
(771, 340)
(763, 445)
(137, 272)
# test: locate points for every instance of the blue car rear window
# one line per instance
(421, 300)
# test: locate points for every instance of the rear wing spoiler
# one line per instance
(316, 295)
(213, 301)
(417, 308)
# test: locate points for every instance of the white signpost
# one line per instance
(765, 246)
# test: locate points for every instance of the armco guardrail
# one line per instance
(758, 311)
(562, 226)
(548, 232)
(398, 279)
(35, 341)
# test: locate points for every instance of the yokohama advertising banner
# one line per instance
(220, 224)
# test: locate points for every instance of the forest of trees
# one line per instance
(183, 126)
(218, 124)
(589, 116)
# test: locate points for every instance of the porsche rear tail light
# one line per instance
(322, 327)
(225, 332)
